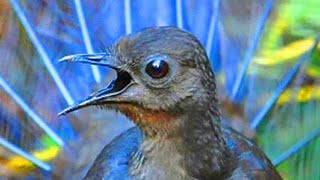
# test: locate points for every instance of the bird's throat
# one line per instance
(151, 122)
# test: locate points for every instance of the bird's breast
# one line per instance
(157, 160)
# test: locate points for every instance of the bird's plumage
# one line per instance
(114, 160)
(179, 136)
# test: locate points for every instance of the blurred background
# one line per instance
(265, 55)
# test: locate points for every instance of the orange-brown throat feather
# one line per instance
(152, 122)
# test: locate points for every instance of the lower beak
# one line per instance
(116, 87)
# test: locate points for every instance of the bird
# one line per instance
(166, 86)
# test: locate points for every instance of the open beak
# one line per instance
(116, 87)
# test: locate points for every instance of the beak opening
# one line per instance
(116, 87)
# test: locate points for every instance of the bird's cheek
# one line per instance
(133, 94)
(140, 95)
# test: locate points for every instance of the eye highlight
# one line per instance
(157, 68)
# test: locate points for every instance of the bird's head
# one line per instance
(161, 73)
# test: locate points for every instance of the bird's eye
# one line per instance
(157, 69)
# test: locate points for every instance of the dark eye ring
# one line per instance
(157, 68)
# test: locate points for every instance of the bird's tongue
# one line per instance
(108, 89)
(119, 83)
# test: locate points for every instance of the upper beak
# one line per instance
(116, 87)
(102, 59)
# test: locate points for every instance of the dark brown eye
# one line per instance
(157, 69)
